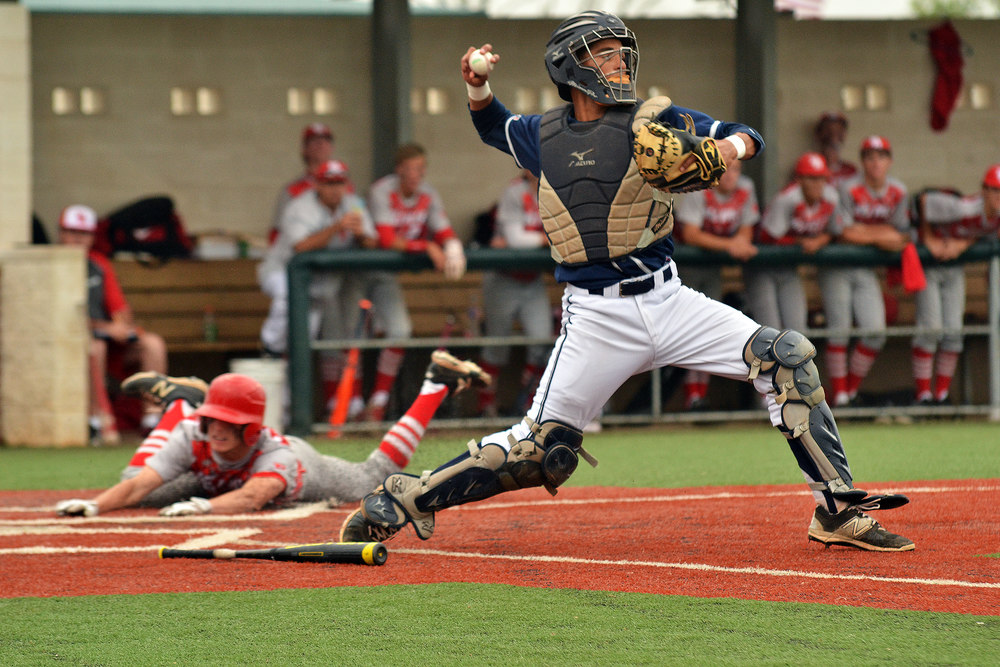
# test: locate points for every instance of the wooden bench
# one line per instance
(172, 299)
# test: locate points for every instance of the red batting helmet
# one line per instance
(876, 143)
(812, 164)
(991, 179)
(236, 399)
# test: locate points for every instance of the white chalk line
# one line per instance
(209, 540)
(302, 511)
(701, 567)
(63, 529)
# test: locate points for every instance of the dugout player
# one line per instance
(222, 450)
(625, 309)
(831, 132)
(949, 223)
(113, 331)
(875, 214)
(806, 213)
(409, 217)
(316, 149)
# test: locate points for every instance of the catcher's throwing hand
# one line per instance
(76, 507)
(187, 507)
(471, 77)
(674, 160)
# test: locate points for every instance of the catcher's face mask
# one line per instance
(613, 65)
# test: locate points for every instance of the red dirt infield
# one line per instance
(739, 542)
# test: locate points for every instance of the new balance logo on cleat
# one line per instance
(164, 390)
(854, 528)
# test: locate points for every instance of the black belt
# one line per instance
(636, 287)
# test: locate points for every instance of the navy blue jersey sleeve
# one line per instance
(706, 126)
(514, 134)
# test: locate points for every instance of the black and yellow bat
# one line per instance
(360, 553)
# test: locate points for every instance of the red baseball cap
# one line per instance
(876, 143)
(812, 164)
(991, 178)
(316, 130)
(78, 218)
(331, 171)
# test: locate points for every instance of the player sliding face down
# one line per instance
(625, 310)
(212, 453)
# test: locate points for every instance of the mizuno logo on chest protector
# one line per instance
(579, 160)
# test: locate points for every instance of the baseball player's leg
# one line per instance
(835, 284)
(274, 331)
(603, 342)
(786, 359)
(762, 296)
(392, 315)
(782, 365)
(929, 316)
(950, 349)
(868, 306)
(791, 296)
(345, 481)
(499, 311)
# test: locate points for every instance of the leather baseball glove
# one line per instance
(660, 151)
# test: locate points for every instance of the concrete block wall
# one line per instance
(43, 347)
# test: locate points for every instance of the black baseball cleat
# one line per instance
(454, 373)
(853, 528)
(164, 390)
(358, 529)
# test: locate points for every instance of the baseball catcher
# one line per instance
(608, 216)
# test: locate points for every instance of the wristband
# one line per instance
(738, 144)
(479, 93)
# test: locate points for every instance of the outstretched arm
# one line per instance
(123, 494)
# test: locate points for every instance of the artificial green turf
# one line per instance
(649, 457)
(476, 624)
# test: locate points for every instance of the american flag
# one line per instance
(802, 9)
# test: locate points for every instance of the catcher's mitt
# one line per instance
(661, 150)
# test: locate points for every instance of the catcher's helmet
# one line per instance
(236, 399)
(569, 45)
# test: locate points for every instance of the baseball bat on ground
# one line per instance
(346, 387)
(359, 553)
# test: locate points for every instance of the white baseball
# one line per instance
(480, 63)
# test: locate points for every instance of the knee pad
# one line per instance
(789, 357)
(547, 457)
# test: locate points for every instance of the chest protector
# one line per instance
(594, 205)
